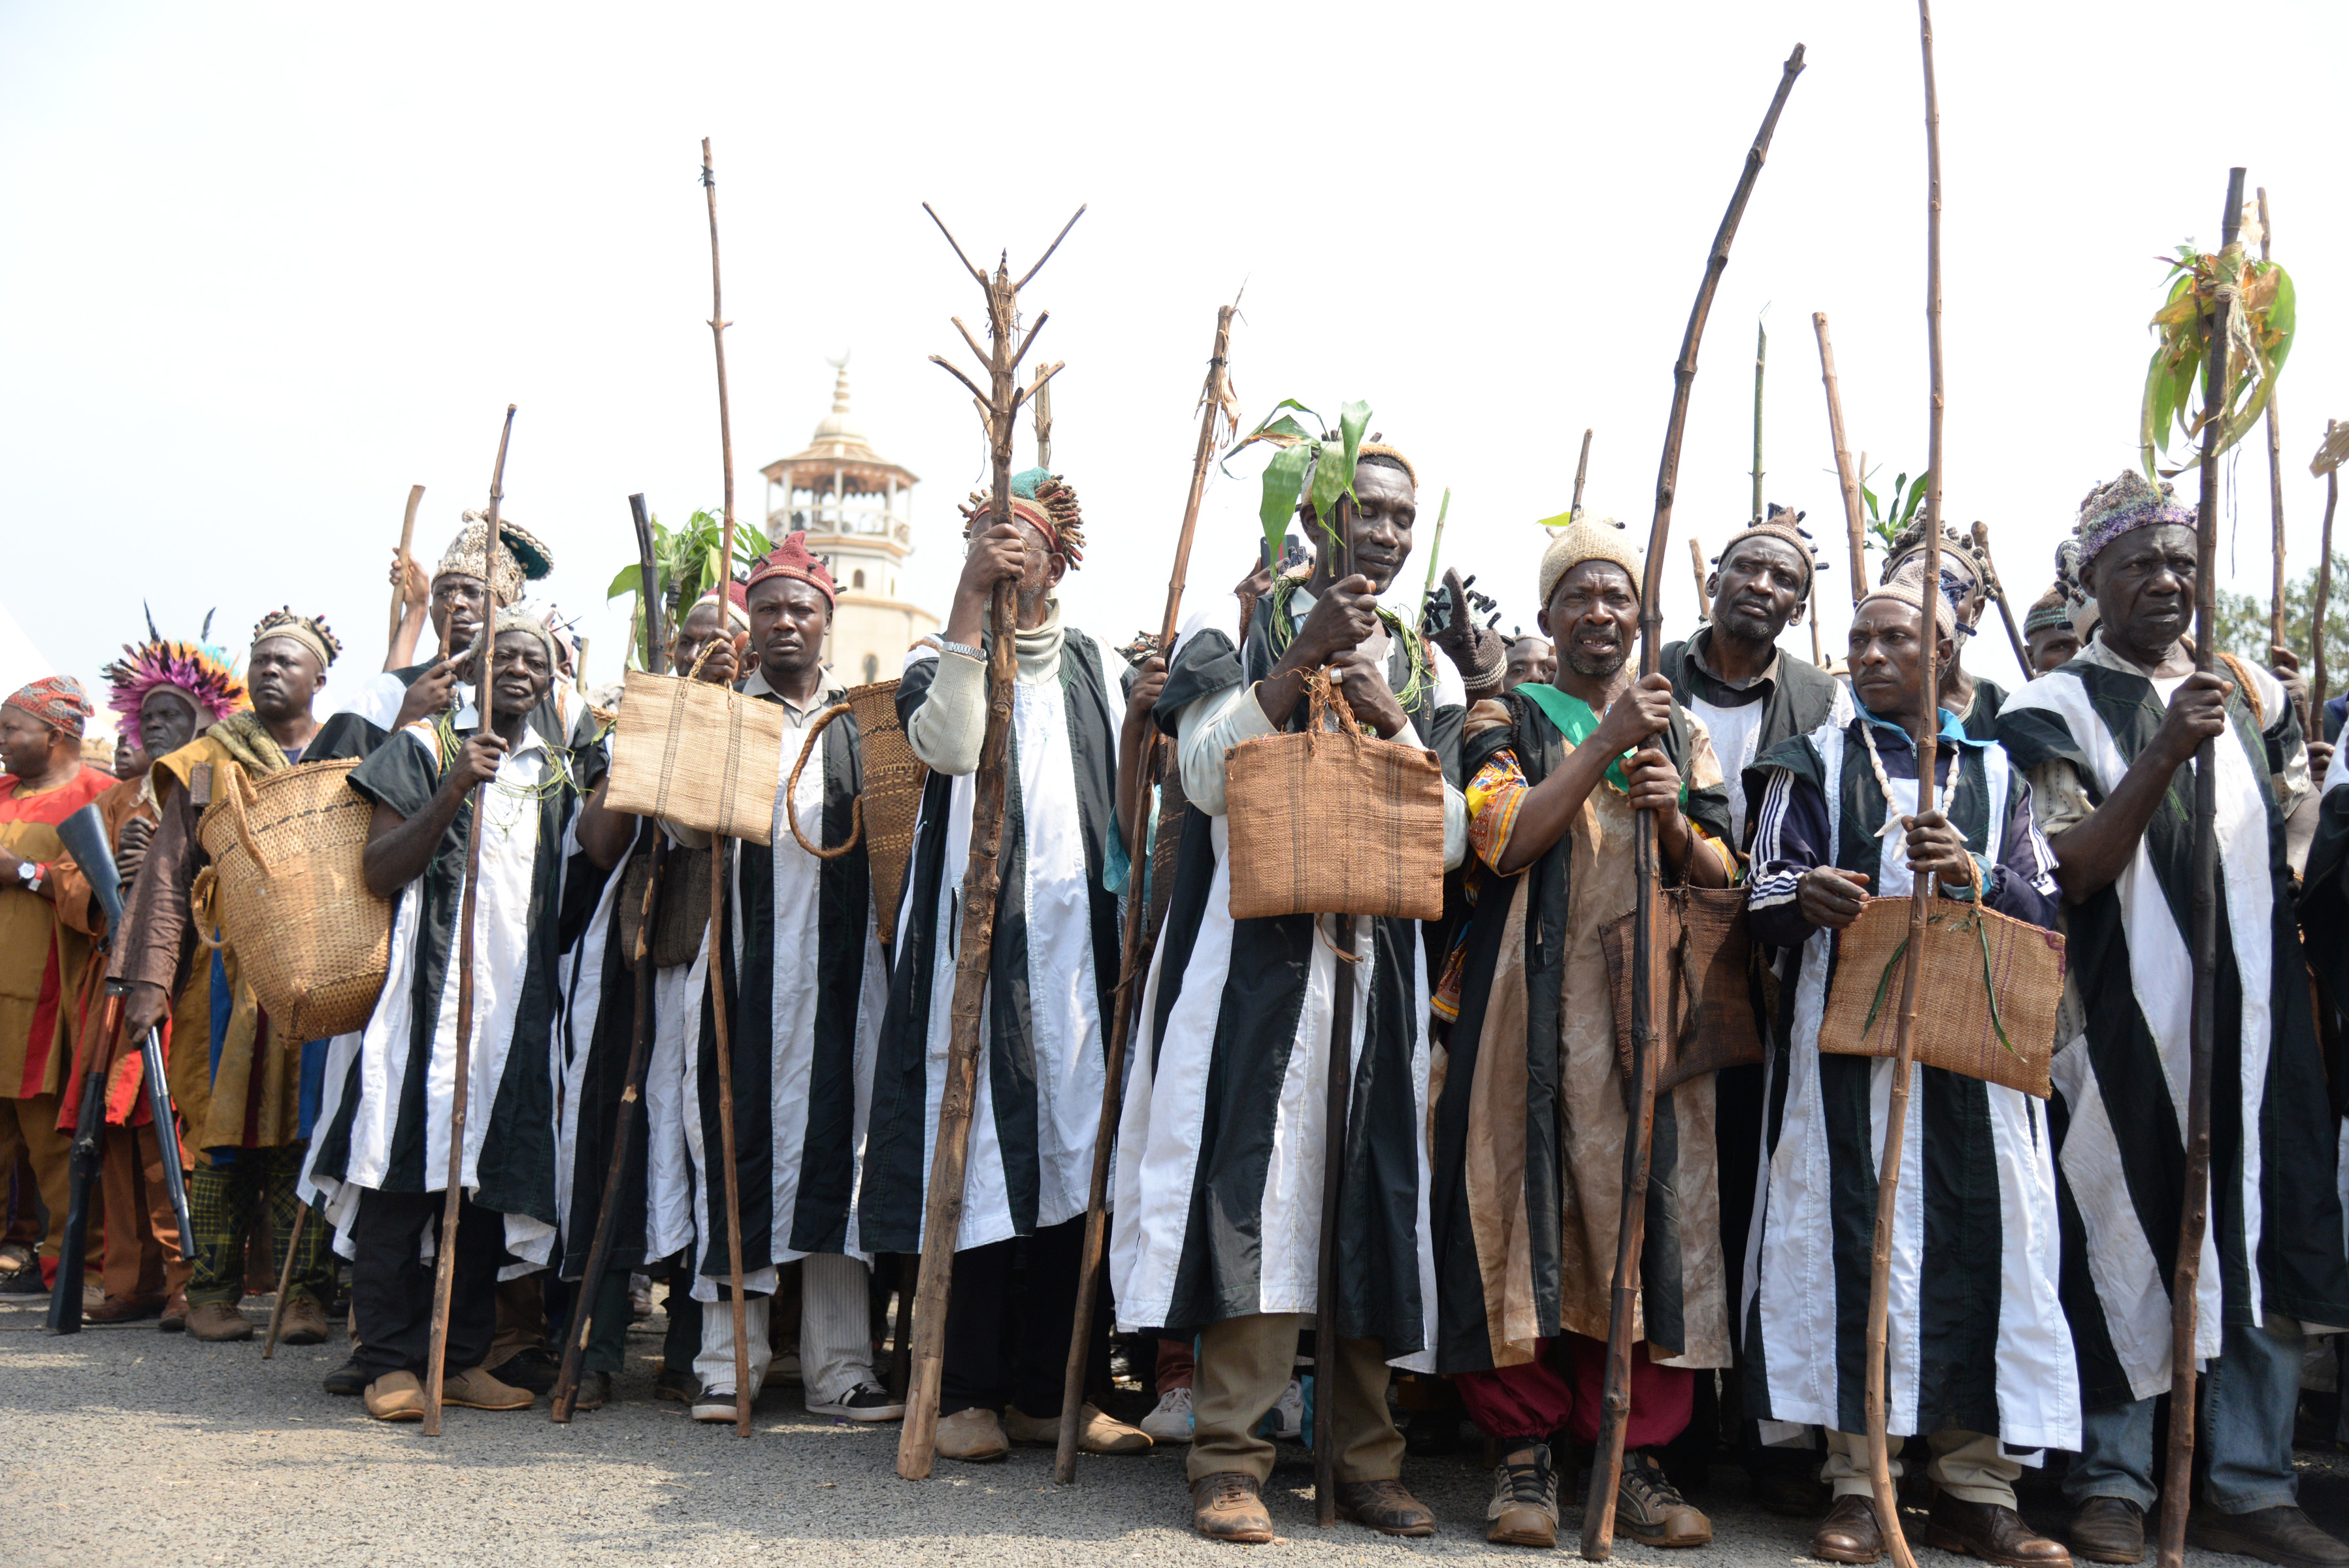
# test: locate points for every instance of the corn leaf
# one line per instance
(1284, 481)
(1331, 478)
(627, 582)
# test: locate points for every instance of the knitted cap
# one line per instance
(1781, 523)
(2123, 505)
(1910, 589)
(791, 559)
(1591, 539)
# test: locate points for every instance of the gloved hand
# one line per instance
(1480, 653)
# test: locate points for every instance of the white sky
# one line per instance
(269, 265)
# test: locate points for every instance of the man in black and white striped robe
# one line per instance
(2110, 741)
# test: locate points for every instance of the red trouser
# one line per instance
(1533, 1400)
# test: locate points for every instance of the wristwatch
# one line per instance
(28, 876)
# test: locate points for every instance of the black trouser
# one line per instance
(607, 1333)
(1045, 1310)
(391, 1285)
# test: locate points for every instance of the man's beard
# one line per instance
(1600, 668)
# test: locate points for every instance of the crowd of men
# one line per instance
(1481, 1191)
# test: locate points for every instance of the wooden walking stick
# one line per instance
(1341, 1082)
(1904, 1041)
(1581, 469)
(2203, 941)
(623, 1127)
(444, 1263)
(1847, 478)
(285, 1272)
(400, 573)
(1696, 569)
(1041, 396)
(999, 411)
(720, 1019)
(2275, 468)
(2328, 463)
(1760, 363)
(1615, 1408)
(1997, 587)
(1213, 403)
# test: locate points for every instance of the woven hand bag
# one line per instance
(1987, 994)
(1706, 1004)
(696, 753)
(285, 890)
(1334, 821)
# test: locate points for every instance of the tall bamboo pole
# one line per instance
(1607, 1464)
(1436, 550)
(1696, 567)
(2203, 943)
(1041, 396)
(2275, 467)
(1847, 478)
(720, 1017)
(1581, 470)
(444, 1268)
(2328, 462)
(999, 411)
(1761, 362)
(399, 565)
(1133, 958)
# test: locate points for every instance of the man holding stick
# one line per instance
(1981, 1360)
(1050, 992)
(1219, 1171)
(2110, 741)
(1530, 1130)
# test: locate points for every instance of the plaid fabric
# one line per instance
(223, 1198)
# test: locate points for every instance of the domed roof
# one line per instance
(837, 426)
(841, 444)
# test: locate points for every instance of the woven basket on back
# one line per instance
(1334, 821)
(287, 891)
(698, 753)
(1705, 1007)
(892, 795)
(1985, 975)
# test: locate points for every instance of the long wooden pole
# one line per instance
(1927, 735)
(1997, 586)
(1696, 569)
(2203, 928)
(1337, 1093)
(400, 572)
(2275, 467)
(1131, 965)
(1607, 1464)
(998, 407)
(444, 1270)
(1581, 471)
(1760, 363)
(1847, 478)
(717, 929)
(2324, 597)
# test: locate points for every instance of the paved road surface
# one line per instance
(123, 1446)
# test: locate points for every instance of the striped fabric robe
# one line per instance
(1976, 1338)
(385, 1120)
(1219, 1167)
(1052, 976)
(2274, 1241)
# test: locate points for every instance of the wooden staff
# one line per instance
(623, 1127)
(1997, 587)
(1041, 396)
(2203, 943)
(444, 1269)
(1696, 569)
(2328, 463)
(998, 410)
(2275, 467)
(1760, 363)
(649, 602)
(1927, 736)
(1607, 1464)
(1846, 478)
(1337, 1091)
(1212, 402)
(717, 929)
(1581, 469)
(400, 566)
(285, 1274)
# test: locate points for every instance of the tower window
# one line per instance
(856, 579)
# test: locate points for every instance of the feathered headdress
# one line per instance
(197, 669)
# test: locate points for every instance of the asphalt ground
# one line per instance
(124, 1445)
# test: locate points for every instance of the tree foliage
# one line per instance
(2243, 619)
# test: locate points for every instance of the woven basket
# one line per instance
(696, 753)
(1983, 972)
(1707, 1005)
(891, 798)
(1326, 821)
(287, 891)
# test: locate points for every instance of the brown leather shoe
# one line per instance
(1224, 1506)
(175, 1314)
(125, 1309)
(1524, 1510)
(1849, 1532)
(477, 1388)
(2282, 1535)
(396, 1396)
(304, 1322)
(1096, 1433)
(1991, 1531)
(2109, 1529)
(1650, 1510)
(216, 1322)
(1386, 1506)
(974, 1436)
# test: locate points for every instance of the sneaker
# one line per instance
(216, 1322)
(713, 1405)
(974, 1436)
(1170, 1421)
(348, 1379)
(20, 1270)
(535, 1369)
(866, 1402)
(640, 1297)
(1285, 1422)
(1226, 1506)
(396, 1396)
(304, 1322)
(1650, 1510)
(476, 1388)
(1096, 1433)
(1524, 1510)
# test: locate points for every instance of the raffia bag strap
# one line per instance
(239, 795)
(791, 794)
(2248, 687)
(1322, 695)
(676, 735)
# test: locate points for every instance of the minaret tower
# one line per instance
(858, 509)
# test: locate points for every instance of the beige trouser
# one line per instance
(29, 1126)
(1966, 1465)
(1244, 1368)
